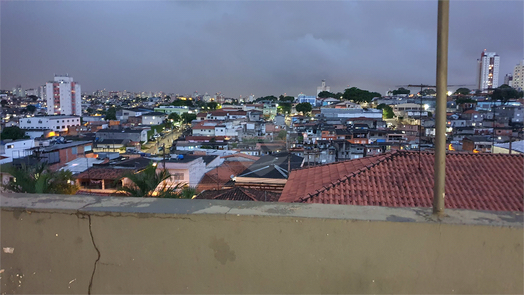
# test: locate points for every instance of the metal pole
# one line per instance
(440, 122)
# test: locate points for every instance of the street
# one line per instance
(166, 139)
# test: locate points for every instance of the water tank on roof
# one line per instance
(180, 157)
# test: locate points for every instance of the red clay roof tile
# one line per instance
(492, 182)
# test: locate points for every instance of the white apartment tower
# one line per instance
(488, 70)
(518, 76)
(63, 96)
(323, 87)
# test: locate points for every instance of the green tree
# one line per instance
(358, 95)
(110, 114)
(326, 94)
(175, 117)
(387, 111)
(465, 100)
(284, 108)
(40, 179)
(90, 111)
(30, 108)
(463, 91)
(401, 90)
(504, 93)
(212, 105)
(283, 98)
(269, 97)
(4, 102)
(13, 133)
(428, 91)
(304, 107)
(181, 103)
(188, 118)
(150, 183)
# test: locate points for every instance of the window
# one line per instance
(74, 150)
(10, 146)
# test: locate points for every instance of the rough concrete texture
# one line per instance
(200, 246)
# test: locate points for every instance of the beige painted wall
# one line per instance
(225, 253)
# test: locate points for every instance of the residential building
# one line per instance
(405, 179)
(217, 178)
(110, 145)
(63, 96)
(55, 123)
(409, 110)
(508, 80)
(132, 112)
(302, 98)
(332, 112)
(56, 155)
(107, 177)
(477, 144)
(173, 109)
(20, 148)
(153, 118)
(187, 169)
(137, 135)
(205, 128)
(518, 76)
(269, 172)
(488, 70)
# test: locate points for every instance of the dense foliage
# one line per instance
(40, 179)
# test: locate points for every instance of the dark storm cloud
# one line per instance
(244, 47)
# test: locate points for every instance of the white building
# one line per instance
(323, 87)
(518, 76)
(153, 118)
(488, 70)
(31, 91)
(16, 149)
(55, 123)
(186, 170)
(63, 96)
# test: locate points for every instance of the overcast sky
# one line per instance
(251, 47)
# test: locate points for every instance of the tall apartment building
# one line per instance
(518, 76)
(63, 96)
(488, 70)
(18, 91)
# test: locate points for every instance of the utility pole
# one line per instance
(440, 122)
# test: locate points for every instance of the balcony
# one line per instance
(85, 244)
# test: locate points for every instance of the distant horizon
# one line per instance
(234, 48)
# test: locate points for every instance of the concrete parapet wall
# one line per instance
(83, 244)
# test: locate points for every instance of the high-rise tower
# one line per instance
(518, 76)
(488, 70)
(63, 96)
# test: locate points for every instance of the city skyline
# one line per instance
(239, 48)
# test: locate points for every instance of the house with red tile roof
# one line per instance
(217, 178)
(493, 182)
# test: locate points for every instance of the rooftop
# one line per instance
(239, 194)
(491, 182)
(273, 166)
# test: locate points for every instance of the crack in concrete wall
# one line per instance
(97, 259)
